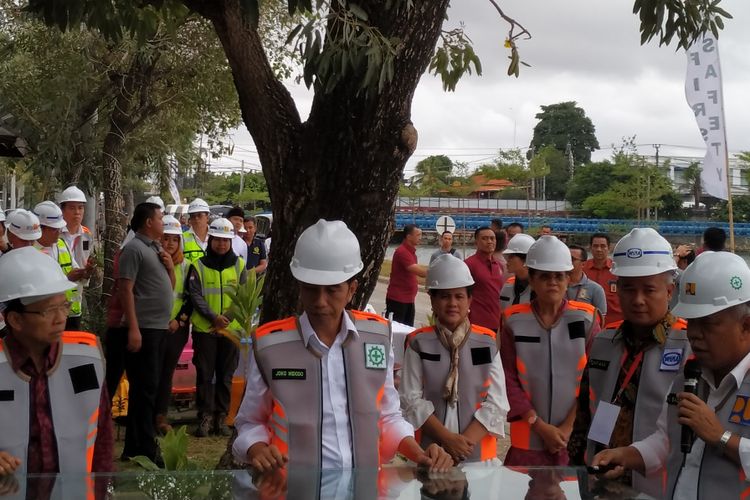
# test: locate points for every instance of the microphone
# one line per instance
(692, 375)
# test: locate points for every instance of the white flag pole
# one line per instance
(730, 211)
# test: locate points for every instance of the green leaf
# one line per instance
(145, 462)
(358, 11)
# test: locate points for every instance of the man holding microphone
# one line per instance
(714, 296)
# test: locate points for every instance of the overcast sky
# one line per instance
(586, 51)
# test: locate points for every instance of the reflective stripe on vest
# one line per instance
(475, 361)
(508, 294)
(605, 355)
(74, 384)
(191, 249)
(215, 286)
(180, 272)
(293, 374)
(719, 476)
(550, 364)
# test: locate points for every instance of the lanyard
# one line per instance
(631, 371)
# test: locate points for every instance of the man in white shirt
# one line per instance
(714, 298)
(320, 390)
(237, 217)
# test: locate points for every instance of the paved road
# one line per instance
(423, 308)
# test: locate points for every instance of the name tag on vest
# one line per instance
(288, 374)
(8, 395)
(670, 360)
(375, 356)
(741, 411)
(599, 364)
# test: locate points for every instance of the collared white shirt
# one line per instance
(655, 448)
(256, 407)
(239, 247)
(201, 243)
(75, 245)
(491, 414)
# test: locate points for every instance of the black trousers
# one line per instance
(115, 347)
(403, 313)
(143, 369)
(173, 345)
(215, 358)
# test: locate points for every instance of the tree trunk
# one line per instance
(346, 161)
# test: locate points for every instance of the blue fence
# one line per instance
(573, 225)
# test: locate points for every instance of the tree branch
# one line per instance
(513, 23)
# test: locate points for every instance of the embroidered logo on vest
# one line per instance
(670, 360)
(741, 410)
(375, 356)
(599, 364)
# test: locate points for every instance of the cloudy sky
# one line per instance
(586, 51)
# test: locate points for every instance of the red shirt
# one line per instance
(608, 281)
(42, 453)
(485, 295)
(402, 287)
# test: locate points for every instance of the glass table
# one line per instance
(475, 481)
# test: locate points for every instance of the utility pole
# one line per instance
(569, 154)
(242, 176)
(656, 147)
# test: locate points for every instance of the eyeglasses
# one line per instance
(61, 310)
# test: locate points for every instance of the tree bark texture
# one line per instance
(345, 162)
(130, 103)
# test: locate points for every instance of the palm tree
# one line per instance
(692, 178)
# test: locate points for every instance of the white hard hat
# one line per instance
(72, 193)
(49, 215)
(156, 200)
(519, 243)
(27, 273)
(221, 228)
(549, 254)
(642, 252)
(171, 225)
(198, 205)
(326, 253)
(24, 224)
(713, 282)
(446, 272)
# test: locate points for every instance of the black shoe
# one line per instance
(220, 426)
(204, 427)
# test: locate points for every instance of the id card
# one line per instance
(604, 422)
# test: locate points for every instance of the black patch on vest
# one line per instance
(84, 378)
(481, 355)
(9, 395)
(86, 245)
(577, 330)
(527, 339)
(672, 399)
(506, 299)
(599, 364)
(289, 374)
(429, 356)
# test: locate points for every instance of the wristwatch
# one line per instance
(724, 440)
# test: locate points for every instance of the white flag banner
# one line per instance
(703, 90)
(174, 191)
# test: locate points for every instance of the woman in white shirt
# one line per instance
(453, 385)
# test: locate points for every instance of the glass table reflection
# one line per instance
(475, 481)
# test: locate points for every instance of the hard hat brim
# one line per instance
(56, 225)
(687, 310)
(53, 289)
(32, 237)
(317, 277)
(551, 269)
(221, 235)
(639, 271)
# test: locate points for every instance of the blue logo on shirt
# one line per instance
(671, 358)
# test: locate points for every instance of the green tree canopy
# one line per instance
(565, 127)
